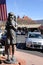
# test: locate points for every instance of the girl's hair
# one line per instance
(10, 14)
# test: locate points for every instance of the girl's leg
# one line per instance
(13, 50)
(8, 52)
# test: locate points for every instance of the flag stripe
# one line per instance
(0, 12)
(3, 12)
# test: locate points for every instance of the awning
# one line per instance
(30, 26)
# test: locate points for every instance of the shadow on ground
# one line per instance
(22, 46)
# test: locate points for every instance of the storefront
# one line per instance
(29, 27)
(24, 27)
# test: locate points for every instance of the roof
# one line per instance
(30, 25)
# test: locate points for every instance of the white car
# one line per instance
(1, 33)
(2, 48)
(34, 40)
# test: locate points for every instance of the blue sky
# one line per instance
(30, 8)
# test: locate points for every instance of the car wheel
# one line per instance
(24, 46)
(4, 53)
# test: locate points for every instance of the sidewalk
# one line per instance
(26, 59)
(29, 58)
(20, 61)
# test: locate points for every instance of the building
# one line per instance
(40, 22)
(27, 23)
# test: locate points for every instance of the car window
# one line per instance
(35, 36)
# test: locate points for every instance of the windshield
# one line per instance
(35, 36)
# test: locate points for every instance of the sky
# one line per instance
(31, 8)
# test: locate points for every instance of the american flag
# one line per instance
(3, 10)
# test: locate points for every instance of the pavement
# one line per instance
(26, 59)
(18, 58)
(29, 58)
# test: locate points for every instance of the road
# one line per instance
(33, 52)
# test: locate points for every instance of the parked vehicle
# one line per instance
(22, 32)
(2, 42)
(34, 40)
(18, 32)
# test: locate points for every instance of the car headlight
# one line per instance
(39, 43)
(29, 44)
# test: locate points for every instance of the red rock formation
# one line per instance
(25, 20)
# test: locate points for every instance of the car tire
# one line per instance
(3, 53)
